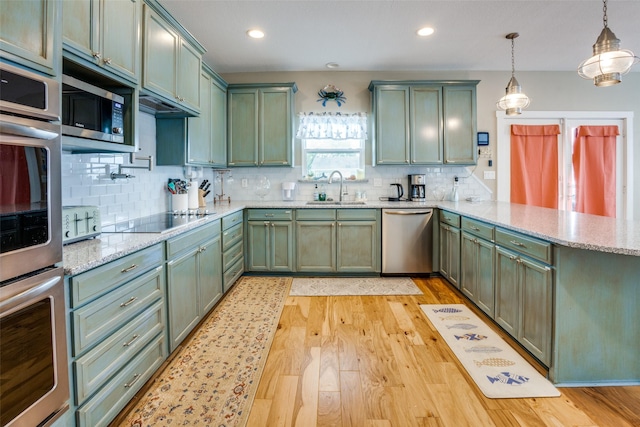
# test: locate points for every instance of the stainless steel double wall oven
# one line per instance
(34, 380)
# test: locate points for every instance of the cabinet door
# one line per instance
(275, 138)
(182, 277)
(459, 124)
(507, 291)
(210, 274)
(120, 36)
(161, 44)
(536, 290)
(316, 246)
(30, 33)
(444, 250)
(454, 256)
(188, 83)
(358, 243)
(243, 127)
(257, 246)
(469, 266)
(485, 288)
(281, 246)
(426, 125)
(79, 29)
(392, 124)
(199, 145)
(218, 126)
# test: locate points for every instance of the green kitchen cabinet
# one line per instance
(194, 278)
(260, 124)
(232, 248)
(30, 34)
(104, 35)
(424, 122)
(197, 141)
(316, 240)
(171, 62)
(450, 247)
(524, 292)
(270, 240)
(477, 255)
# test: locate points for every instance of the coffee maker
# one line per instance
(417, 187)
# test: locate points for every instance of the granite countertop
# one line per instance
(560, 227)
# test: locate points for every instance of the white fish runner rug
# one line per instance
(330, 286)
(498, 370)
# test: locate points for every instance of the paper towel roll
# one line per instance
(193, 195)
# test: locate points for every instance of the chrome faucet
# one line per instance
(341, 179)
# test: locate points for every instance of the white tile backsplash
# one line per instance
(86, 181)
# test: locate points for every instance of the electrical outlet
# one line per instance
(244, 183)
(489, 174)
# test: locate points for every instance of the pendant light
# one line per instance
(514, 100)
(609, 62)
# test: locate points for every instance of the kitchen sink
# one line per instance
(331, 202)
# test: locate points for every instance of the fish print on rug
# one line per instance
(494, 361)
(454, 317)
(447, 310)
(508, 378)
(462, 326)
(471, 337)
(214, 378)
(483, 349)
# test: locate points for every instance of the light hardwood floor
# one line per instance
(374, 361)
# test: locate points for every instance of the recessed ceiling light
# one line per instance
(255, 34)
(332, 65)
(425, 31)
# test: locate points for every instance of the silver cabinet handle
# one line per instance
(135, 379)
(519, 244)
(107, 61)
(131, 341)
(128, 269)
(131, 300)
(474, 228)
(269, 215)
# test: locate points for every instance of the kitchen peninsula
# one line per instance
(596, 271)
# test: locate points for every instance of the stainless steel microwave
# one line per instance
(91, 112)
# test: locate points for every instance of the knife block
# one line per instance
(201, 201)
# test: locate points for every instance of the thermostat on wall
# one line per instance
(483, 138)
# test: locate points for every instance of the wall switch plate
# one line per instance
(377, 182)
(244, 183)
(489, 174)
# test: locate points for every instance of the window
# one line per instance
(322, 156)
(332, 141)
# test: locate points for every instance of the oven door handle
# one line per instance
(14, 301)
(25, 128)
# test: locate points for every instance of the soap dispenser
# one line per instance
(454, 191)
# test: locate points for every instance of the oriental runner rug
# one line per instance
(340, 286)
(214, 378)
(496, 368)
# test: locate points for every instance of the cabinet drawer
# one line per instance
(316, 214)
(538, 249)
(270, 214)
(478, 228)
(192, 238)
(231, 220)
(231, 275)
(100, 280)
(97, 320)
(94, 368)
(231, 256)
(357, 214)
(103, 407)
(231, 236)
(450, 218)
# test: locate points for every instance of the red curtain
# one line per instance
(594, 169)
(534, 165)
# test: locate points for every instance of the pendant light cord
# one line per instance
(513, 61)
(604, 16)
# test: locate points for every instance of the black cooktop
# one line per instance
(158, 223)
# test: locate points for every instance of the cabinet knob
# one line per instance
(107, 61)
(96, 55)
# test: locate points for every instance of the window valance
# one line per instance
(332, 126)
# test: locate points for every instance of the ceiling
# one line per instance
(361, 35)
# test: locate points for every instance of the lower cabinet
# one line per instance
(338, 240)
(118, 336)
(524, 292)
(477, 256)
(450, 247)
(232, 249)
(269, 240)
(194, 278)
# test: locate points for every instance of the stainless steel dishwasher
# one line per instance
(407, 241)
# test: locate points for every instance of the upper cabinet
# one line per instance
(104, 35)
(172, 60)
(30, 34)
(260, 124)
(424, 122)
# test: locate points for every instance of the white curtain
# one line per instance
(332, 126)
